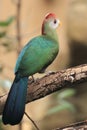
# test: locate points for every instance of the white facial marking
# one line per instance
(54, 23)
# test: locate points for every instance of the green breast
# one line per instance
(37, 54)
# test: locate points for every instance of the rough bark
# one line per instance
(51, 83)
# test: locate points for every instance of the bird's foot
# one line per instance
(50, 72)
(33, 80)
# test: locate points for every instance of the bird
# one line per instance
(35, 57)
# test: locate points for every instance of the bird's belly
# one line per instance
(37, 61)
(33, 66)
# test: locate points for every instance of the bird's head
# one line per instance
(50, 23)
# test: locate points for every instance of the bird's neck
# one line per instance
(51, 33)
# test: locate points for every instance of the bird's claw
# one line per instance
(50, 72)
(33, 80)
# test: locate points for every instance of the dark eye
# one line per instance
(55, 21)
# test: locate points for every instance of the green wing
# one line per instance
(36, 55)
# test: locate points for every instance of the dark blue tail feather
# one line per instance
(15, 104)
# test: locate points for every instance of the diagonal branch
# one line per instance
(76, 126)
(51, 83)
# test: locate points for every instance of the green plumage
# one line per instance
(36, 55)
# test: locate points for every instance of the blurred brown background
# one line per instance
(73, 51)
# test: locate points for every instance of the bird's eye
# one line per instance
(55, 21)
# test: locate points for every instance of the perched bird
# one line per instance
(35, 57)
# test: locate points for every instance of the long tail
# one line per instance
(15, 104)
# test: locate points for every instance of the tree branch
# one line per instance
(51, 83)
(76, 126)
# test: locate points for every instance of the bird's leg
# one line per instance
(42, 71)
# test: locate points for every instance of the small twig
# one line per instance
(32, 121)
(18, 26)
